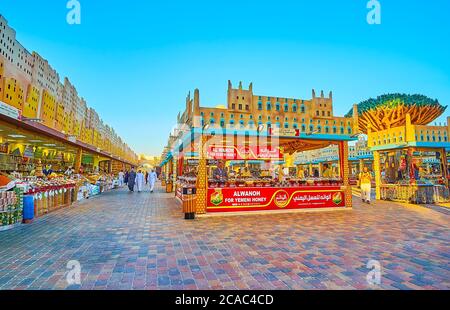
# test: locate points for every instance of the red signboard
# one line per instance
(272, 198)
(243, 152)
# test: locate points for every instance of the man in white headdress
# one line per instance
(152, 177)
(139, 180)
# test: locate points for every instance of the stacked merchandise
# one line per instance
(11, 208)
(49, 195)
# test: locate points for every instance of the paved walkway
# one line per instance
(141, 241)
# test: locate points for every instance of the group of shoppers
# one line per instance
(135, 180)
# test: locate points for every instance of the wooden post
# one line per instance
(343, 157)
(77, 164)
(174, 174)
(377, 171)
(444, 166)
(202, 178)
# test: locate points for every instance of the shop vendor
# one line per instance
(220, 173)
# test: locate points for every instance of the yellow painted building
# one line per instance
(31, 104)
(12, 93)
(48, 109)
(60, 118)
(244, 109)
(2, 73)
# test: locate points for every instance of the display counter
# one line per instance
(226, 199)
(415, 193)
(50, 195)
(11, 208)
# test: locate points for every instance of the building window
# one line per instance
(323, 113)
(303, 128)
(329, 113)
(294, 108)
(259, 106)
(277, 107)
(286, 108)
(233, 106)
(286, 125)
(269, 106)
(247, 107)
(240, 106)
(317, 113)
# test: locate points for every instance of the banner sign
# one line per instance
(272, 198)
(10, 111)
(284, 132)
(243, 152)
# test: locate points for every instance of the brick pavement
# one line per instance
(141, 241)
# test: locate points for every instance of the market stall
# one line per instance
(256, 172)
(410, 162)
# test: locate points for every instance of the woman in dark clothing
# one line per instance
(125, 179)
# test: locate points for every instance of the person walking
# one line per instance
(152, 176)
(131, 180)
(125, 177)
(365, 179)
(146, 177)
(139, 180)
(121, 178)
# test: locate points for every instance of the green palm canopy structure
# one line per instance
(390, 110)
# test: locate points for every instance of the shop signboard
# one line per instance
(271, 198)
(284, 132)
(243, 152)
(212, 162)
(4, 148)
(29, 152)
(72, 139)
(8, 110)
(192, 162)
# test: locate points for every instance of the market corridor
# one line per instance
(141, 241)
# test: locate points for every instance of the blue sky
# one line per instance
(135, 61)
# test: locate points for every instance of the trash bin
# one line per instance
(28, 209)
(189, 198)
(169, 187)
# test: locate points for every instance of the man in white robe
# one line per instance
(139, 180)
(121, 177)
(152, 177)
